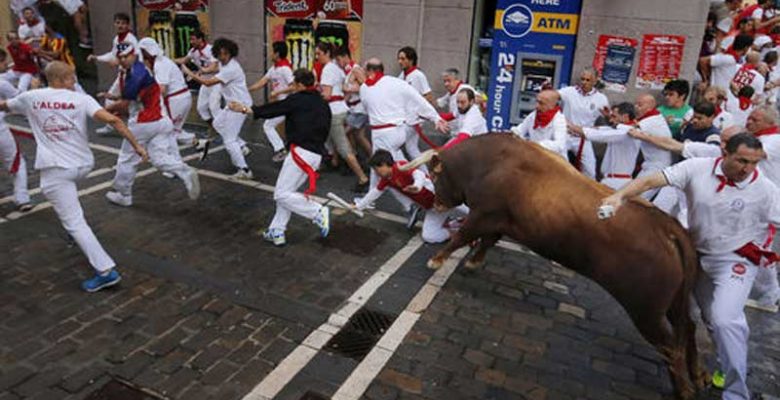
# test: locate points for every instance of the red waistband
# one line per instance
(354, 102)
(334, 99)
(178, 92)
(383, 126)
(622, 176)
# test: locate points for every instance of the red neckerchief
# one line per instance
(544, 118)
(730, 51)
(744, 102)
(282, 63)
(718, 110)
(409, 71)
(377, 76)
(121, 36)
(649, 114)
(306, 168)
(725, 181)
(200, 49)
(453, 91)
(772, 130)
(34, 22)
(348, 69)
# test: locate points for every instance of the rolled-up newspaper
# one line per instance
(606, 211)
(343, 203)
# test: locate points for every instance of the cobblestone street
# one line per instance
(207, 310)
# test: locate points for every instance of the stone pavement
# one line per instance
(207, 310)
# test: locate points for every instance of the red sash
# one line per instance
(306, 168)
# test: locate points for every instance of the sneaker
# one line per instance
(106, 130)
(414, 215)
(99, 282)
(718, 380)
(368, 207)
(361, 187)
(193, 185)
(245, 150)
(185, 137)
(322, 220)
(119, 199)
(25, 207)
(243, 174)
(206, 145)
(279, 156)
(85, 43)
(168, 175)
(275, 236)
(199, 144)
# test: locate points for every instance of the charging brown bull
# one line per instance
(642, 257)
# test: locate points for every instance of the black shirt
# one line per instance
(307, 119)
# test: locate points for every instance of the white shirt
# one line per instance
(420, 83)
(738, 115)
(392, 101)
(582, 109)
(771, 165)
(722, 222)
(723, 69)
(202, 58)
(700, 150)
(233, 86)
(168, 74)
(552, 137)
(281, 78)
(621, 152)
(450, 101)
(723, 120)
(751, 77)
(334, 76)
(58, 118)
(111, 55)
(36, 31)
(7, 91)
(472, 122)
(655, 157)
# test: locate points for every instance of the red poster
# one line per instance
(660, 60)
(601, 48)
(323, 9)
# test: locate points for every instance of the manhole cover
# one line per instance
(360, 334)
(116, 390)
(354, 239)
(313, 396)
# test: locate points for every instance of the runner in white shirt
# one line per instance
(747, 75)
(407, 60)
(651, 122)
(280, 76)
(582, 105)
(546, 125)
(58, 118)
(619, 162)
(740, 106)
(11, 155)
(176, 94)
(201, 55)
(723, 66)
(389, 102)
(233, 88)
(731, 206)
(717, 96)
(357, 120)
(472, 123)
(33, 28)
(332, 86)
(449, 102)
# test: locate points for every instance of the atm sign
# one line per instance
(562, 24)
(515, 22)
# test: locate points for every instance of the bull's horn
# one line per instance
(426, 156)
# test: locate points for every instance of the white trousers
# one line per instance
(155, 137)
(433, 230)
(412, 145)
(721, 292)
(269, 127)
(22, 80)
(12, 158)
(59, 187)
(288, 199)
(766, 286)
(178, 108)
(228, 124)
(208, 101)
(588, 159)
(391, 139)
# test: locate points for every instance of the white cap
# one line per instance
(724, 25)
(762, 41)
(148, 45)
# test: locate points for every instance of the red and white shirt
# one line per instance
(168, 74)
(334, 76)
(24, 60)
(400, 180)
(126, 37)
(202, 57)
(35, 31)
(552, 137)
(723, 68)
(280, 76)
(723, 216)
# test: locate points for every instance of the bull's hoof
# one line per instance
(473, 265)
(435, 263)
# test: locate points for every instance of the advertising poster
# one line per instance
(617, 67)
(605, 41)
(304, 23)
(170, 22)
(660, 60)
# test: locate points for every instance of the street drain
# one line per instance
(360, 334)
(116, 390)
(313, 396)
(353, 239)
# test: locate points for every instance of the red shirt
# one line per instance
(400, 180)
(22, 55)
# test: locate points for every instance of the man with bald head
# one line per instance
(546, 125)
(652, 123)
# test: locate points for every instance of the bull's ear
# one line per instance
(435, 164)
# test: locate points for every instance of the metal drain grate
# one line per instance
(116, 390)
(360, 334)
(313, 396)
